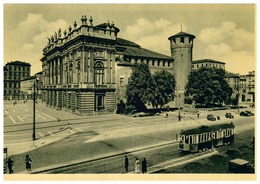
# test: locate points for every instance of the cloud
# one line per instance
(152, 35)
(26, 41)
(232, 45)
(228, 33)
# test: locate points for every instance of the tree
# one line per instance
(120, 107)
(208, 86)
(164, 88)
(139, 90)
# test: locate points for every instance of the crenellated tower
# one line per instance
(181, 45)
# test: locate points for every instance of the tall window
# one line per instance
(70, 73)
(99, 73)
(78, 72)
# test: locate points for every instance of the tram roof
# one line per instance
(204, 129)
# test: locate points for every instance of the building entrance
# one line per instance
(100, 102)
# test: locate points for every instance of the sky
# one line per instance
(224, 32)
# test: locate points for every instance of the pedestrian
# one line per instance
(144, 166)
(137, 166)
(28, 163)
(198, 114)
(10, 164)
(126, 164)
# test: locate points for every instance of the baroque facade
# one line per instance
(86, 69)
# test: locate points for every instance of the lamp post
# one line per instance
(237, 91)
(179, 104)
(34, 103)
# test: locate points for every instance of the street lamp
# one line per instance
(34, 103)
(237, 92)
(179, 105)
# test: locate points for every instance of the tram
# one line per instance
(206, 137)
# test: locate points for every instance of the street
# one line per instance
(97, 142)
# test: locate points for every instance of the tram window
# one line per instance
(200, 138)
(186, 139)
(209, 136)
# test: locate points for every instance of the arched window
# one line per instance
(99, 73)
(70, 73)
(67, 74)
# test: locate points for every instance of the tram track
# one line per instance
(111, 164)
(80, 167)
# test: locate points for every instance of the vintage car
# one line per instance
(229, 115)
(210, 117)
(245, 113)
(240, 166)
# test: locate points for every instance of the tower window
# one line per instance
(182, 39)
(190, 40)
(174, 40)
(122, 82)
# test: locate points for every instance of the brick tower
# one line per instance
(181, 45)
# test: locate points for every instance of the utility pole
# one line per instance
(238, 100)
(179, 107)
(34, 100)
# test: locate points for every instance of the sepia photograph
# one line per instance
(113, 91)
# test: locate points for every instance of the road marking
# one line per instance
(20, 118)
(40, 134)
(26, 110)
(50, 133)
(12, 119)
(48, 116)
(71, 131)
(80, 130)
(13, 110)
(6, 111)
(41, 116)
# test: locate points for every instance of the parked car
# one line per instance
(240, 166)
(250, 113)
(229, 115)
(244, 113)
(210, 117)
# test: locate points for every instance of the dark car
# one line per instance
(244, 113)
(240, 166)
(250, 113)
(210, 117)
(229, 115)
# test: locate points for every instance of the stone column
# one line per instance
(108, 76)
(58, 69)
(83, 65)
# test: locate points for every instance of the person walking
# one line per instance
(198, 114)
(10, 164)
(126, 164)
(28, 163)
(144, 166)
(137, 166)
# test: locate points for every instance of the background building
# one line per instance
(14, 72)
(247, 88)
(208, 63)
(27, 86)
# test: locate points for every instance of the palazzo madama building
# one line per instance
(86, 68)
